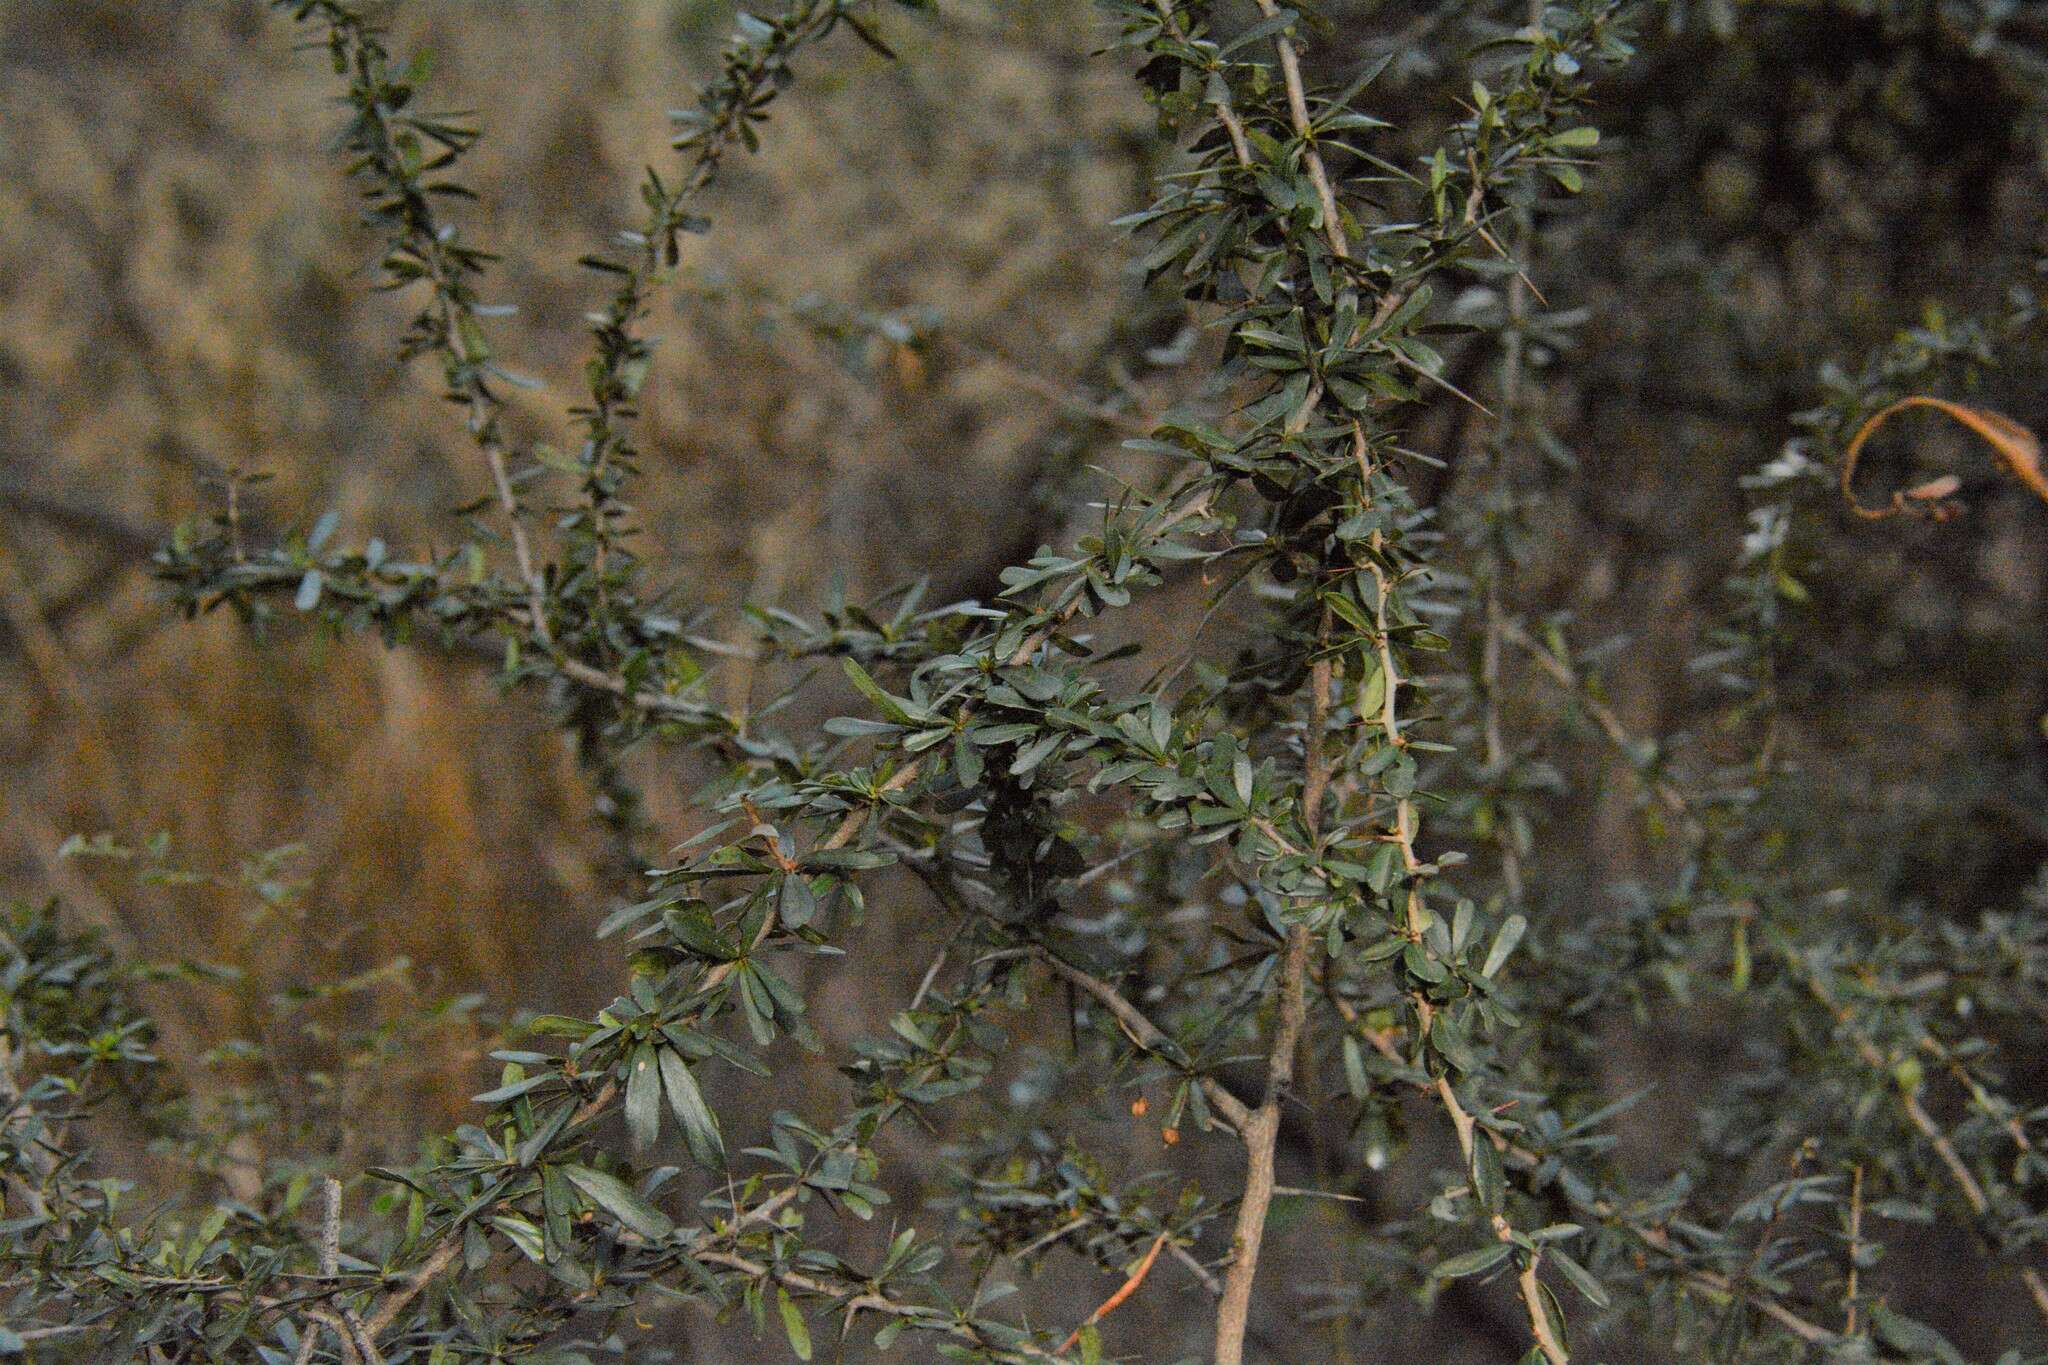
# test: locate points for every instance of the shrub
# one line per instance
(1314, 814)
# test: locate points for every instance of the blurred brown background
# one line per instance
(184, 292)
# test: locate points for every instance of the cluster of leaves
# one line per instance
(1290, 798)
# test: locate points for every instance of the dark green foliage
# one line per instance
(1324, 829)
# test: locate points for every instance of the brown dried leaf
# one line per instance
(2016, 447)
(1934, 490)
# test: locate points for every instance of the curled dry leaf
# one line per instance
(2016, 447)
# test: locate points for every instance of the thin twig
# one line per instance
(1849, 1290)
(1501, 478)
(1297, 107)
(1045, 1240)
(852, 1304)
(931, 974)
(1527, 1279)
(1196, 1268)
(330, 1265)
(1262, 1132)
(1129, 1287)
(1603, 716)
(1916, 1113)
(1964, 1179)
(1993, 1109)
(1139, 1029)
(395, 1302)
(522, 548)
(1261, 1135)
(1227, 116)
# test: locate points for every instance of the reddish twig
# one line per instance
(1109, 1305)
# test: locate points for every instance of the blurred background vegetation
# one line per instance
(901, 349)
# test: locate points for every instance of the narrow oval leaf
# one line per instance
(1505, 943)
(511, 1091)
(793, 1324)
(1489, 1185)
(1471, 1262)
(700, 1125)
(616, 1197)
(1581, 1278)
(643, 1099)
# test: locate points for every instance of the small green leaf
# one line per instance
(616, 1197)
(793, 1323)
(643, 1099)
(1355, 1078)
(1908, 1334)
(511, 1091)
(1581, 1278)
(700, 1124)
(1489, 1185)
(859, 727)
(1035, 753)
(1381, 867)
(1382, 950)
(864, 682)
(796, 903)
(1422, 966)
(1504, 943)
(523, 1235)
(470, 335)
(1471, 1262)
(323, 529)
